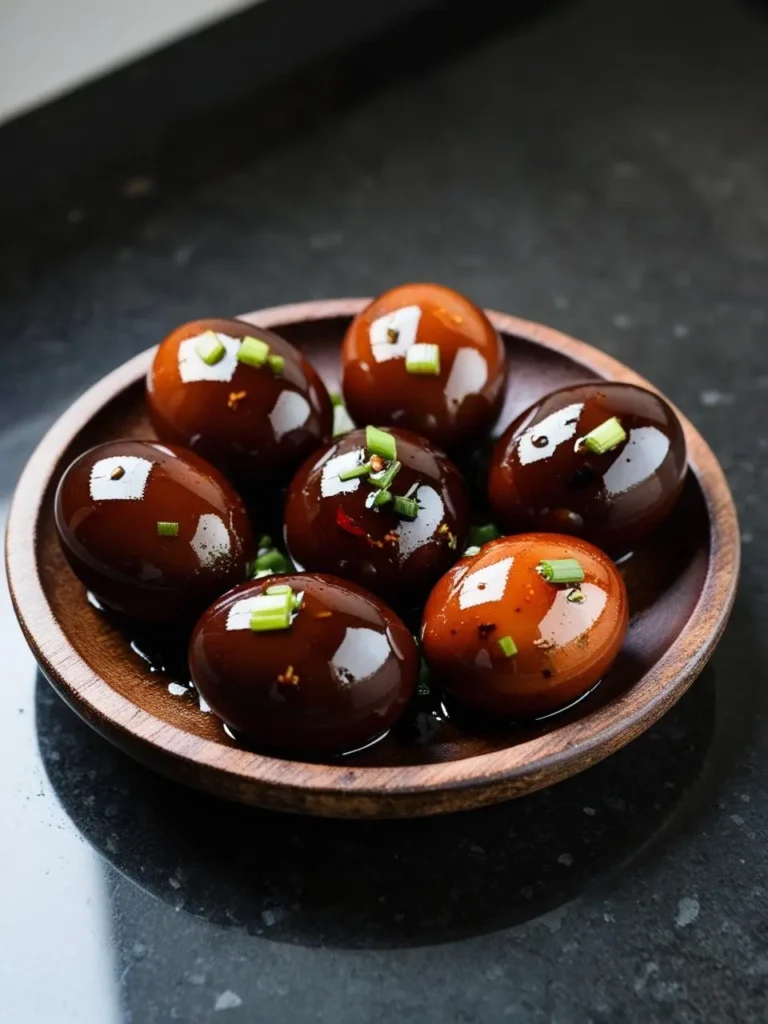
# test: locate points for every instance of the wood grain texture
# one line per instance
(681, 584)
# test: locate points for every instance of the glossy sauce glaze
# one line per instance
(334, 681)
(541, 477)
(329, 528)
(108, 506)
(564, 645)
(256, 425)
(454, 409)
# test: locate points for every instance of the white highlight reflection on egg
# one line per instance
(211, 541)
(413, 533)
(642, 455)
(129, 487)
(330, 483)
(403, 321)
(468, 375)
(486, 584)
(239, 615)
(360, 654)
(192, 368)
(567, 620)
(554, 429)
(291, 411)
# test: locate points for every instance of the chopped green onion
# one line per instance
(265, 542)
(278, 588)
(276, 364)
(210, 348)
(604, 438)
(423, 358)
(274, 560)
(253, 352)
(575, 596)
(259, 574)
(297, 600)
(165, 529)
(479, 535)
(406, 507)
(379, 442)
(342, 421)
(508, 646)
(384, 479)
(271, 611)
(336, 399)
(560, 570)
(356, 471)
(471, 551)
(381, 498)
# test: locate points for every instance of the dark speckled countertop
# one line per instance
(602, 168)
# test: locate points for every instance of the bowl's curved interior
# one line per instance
(665, 578)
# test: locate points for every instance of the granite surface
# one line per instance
(604, 169)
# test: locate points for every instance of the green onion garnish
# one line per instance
(408, 507)
(165, 529)
(273, 560)
(265, 542)
(276, 364)
(356, 471)
(471, 551)
(342, 421)
(381, 498)
(575, 596)
(508, 646)
(422, 358)
(607, 436)
(336, 399)
(384, 479)
(479, 535)
(210, 348)
(253, 352)
(297, 600)
(379, 442)
(560, 570)
(279, 588)
(271, 611)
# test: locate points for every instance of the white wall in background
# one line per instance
(50, 46)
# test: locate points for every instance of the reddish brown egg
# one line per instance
(544, 477)
(335, 680)
(153, 531)
(504, 641)
(255, 423)
(454, 408)
(330, 526)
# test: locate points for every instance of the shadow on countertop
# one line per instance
(376, 884)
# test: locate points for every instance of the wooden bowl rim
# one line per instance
(594, 736)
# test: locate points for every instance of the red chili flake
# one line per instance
(392, 335)
(485, 628)
(547, 673)
(391, 538)
(377, 463)
(323, 615)
(235, 397)
(116, 473)
(348, 523)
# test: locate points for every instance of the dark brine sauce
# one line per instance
(431, 722)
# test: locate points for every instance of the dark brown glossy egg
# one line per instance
(542, 477)
(255, 423)
(335, 680)
(455, 408)
(109, 506)
(566, 636)
(329, 526)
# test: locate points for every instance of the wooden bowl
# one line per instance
(681, 584)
